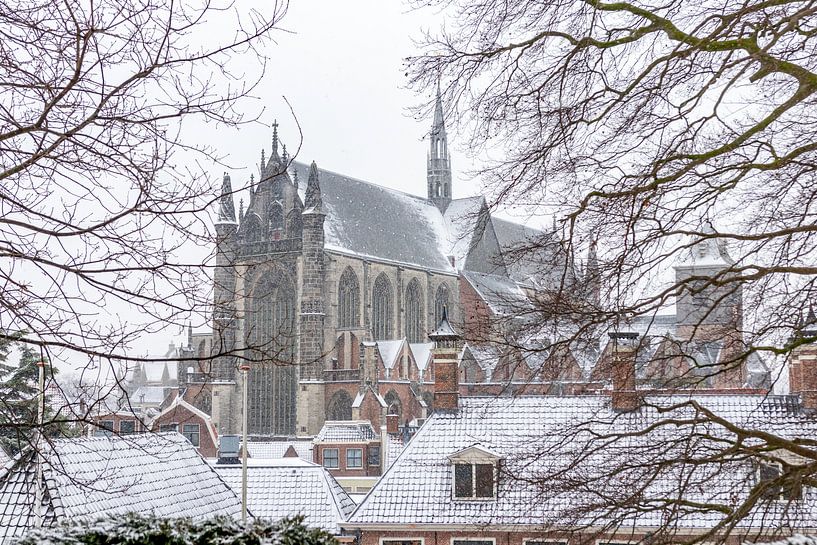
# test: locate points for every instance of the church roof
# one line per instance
(370, 220)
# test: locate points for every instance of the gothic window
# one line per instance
(276, 216)
(414, 313)
(382, 308)
(441, 301)
(445, 190)
(393, 405)
(252, 228)
(273, 376)
(340, 407)
(348, 299)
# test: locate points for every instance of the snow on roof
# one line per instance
(279, 488)
(87, 478)
(276, 449)
(346, 431)
(180, 402)
(414, 233)
(460, 217)
(394, 446)
(537, 435)
(390, 351)
(502, 295)
(422, 354)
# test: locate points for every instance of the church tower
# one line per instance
(439, 163)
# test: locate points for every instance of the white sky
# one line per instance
(341, 69)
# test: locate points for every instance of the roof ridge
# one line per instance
(373, 184)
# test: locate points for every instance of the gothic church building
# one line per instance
(323, 275)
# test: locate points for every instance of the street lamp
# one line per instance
(244, 368)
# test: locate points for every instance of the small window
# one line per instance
(354, 458)
(193, 433)
(127, 427)
(474, 481)
(402, 541)
(169, 427)
(106, 427)
(330, 458)
(781, 490)
(373, 455)
(473, 542)
(542, 542)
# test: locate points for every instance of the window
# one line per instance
(381, 308)
(340, 406)
(473, 541)
(542, 542)
(106, 427)
(414, 313)
(169, 427)
(440, 303)
(330, 458)
(373, 455)
(348, 299)
(354, 458)
(193, 433)
(402, 541)
(127, 427)
(474, 481)
(780, 489)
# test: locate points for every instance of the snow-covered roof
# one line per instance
(422, 354)
(394, 446)
(536, 436)
(276, 449)
(87, 478)
(344, 431)
(179, 402)
(460, 217)
(502, 295)
(390, 351)
(289, 487)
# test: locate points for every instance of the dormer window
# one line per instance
(474, 474)
(771, 474)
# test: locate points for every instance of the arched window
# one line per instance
(348, 299)
(414, 313)
(393, 405)
(340, 406)
(270, 337)
(382, 308)
(441, 301)
(276, 216)
(253, 231)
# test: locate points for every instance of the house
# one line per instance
(290, 486)
(87, 478)
(278, 447)
(489, 470)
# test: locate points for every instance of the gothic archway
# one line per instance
(414, 312)
(348, 299)
(382, 308)
(340, 406)
(273, 377)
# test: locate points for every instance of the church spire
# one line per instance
(439, 163)
(226, 206)
(312, 199)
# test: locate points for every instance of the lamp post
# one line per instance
(245, 368)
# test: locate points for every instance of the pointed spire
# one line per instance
(295, 180)
(274, 152)
(284, 156)
(439, 165)
(189, 334)
(226, 207)
(263, 163)
(241, 209)
(313, 190)
(439, 119)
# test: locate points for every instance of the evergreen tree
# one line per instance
(18, 399)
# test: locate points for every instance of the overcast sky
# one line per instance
(340, 67)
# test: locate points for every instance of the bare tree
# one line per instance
(101, 192)
(677, 139)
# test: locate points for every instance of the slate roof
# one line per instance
(502, 295)
(345, 431)
(288, 487)
(539, 436)
(87, 478)
(276, 449)
(415, 232)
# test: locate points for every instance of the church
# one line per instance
(327, 286)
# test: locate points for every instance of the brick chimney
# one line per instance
(446, 373)
(392, 424)
(622, 371)
(803, 370)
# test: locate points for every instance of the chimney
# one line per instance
(446, 373)
(803, 371)
(624, 395)
(369, 373)
(392, 424)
